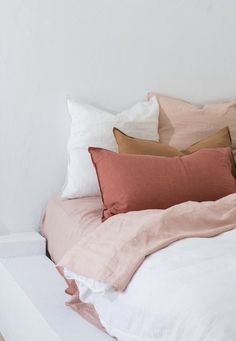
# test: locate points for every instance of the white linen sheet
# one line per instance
(184, 292)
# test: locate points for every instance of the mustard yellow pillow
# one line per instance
(131, 145)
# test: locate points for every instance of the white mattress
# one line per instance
(32, 304)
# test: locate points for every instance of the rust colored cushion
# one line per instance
(132, 145)
(182, 123)
(130, 182)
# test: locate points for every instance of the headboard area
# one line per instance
(108, 53)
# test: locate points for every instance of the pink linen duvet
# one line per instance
(185, 291)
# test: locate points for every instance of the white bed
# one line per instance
(188, 281)
(185, 292)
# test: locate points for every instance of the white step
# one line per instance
(32, 304)
(22, 244)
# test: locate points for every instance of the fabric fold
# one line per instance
(119, 246)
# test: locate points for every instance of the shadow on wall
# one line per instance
(3, 230)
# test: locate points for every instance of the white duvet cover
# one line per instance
(184, 292)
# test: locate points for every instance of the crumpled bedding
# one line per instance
(116, 249)
(156, 275)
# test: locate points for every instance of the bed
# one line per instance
(144, 231)
(188, 280)
(66, 221)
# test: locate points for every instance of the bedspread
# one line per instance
(119, 246)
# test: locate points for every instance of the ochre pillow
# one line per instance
(132, 145)
(182, 123)
(130, 182)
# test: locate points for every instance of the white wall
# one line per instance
(108, 52)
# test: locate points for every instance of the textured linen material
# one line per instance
(119, 246)
(133, 145)
(182, 123)
(65, 222)
(91, 126)
(131, 182)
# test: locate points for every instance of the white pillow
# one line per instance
(93, 127)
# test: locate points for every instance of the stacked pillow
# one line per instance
(182, 123)
(131, 182)
(133, 145)
(91, 126)
(192, 159)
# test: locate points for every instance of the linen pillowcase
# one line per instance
(92, 126)
(130, 182)
(133, 145)
(182, 123)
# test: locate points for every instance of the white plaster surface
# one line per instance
(22, 244)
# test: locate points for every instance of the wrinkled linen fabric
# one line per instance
(114, 252)
(65, 222)
(182, 123)
(183, 292)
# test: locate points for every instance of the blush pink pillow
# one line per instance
(138, 182)
(182, 123)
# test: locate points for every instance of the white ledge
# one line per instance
(22, 244)
(32, 304)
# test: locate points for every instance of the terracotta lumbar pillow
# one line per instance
(182, 123)
(133, 145)
(130, 182)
